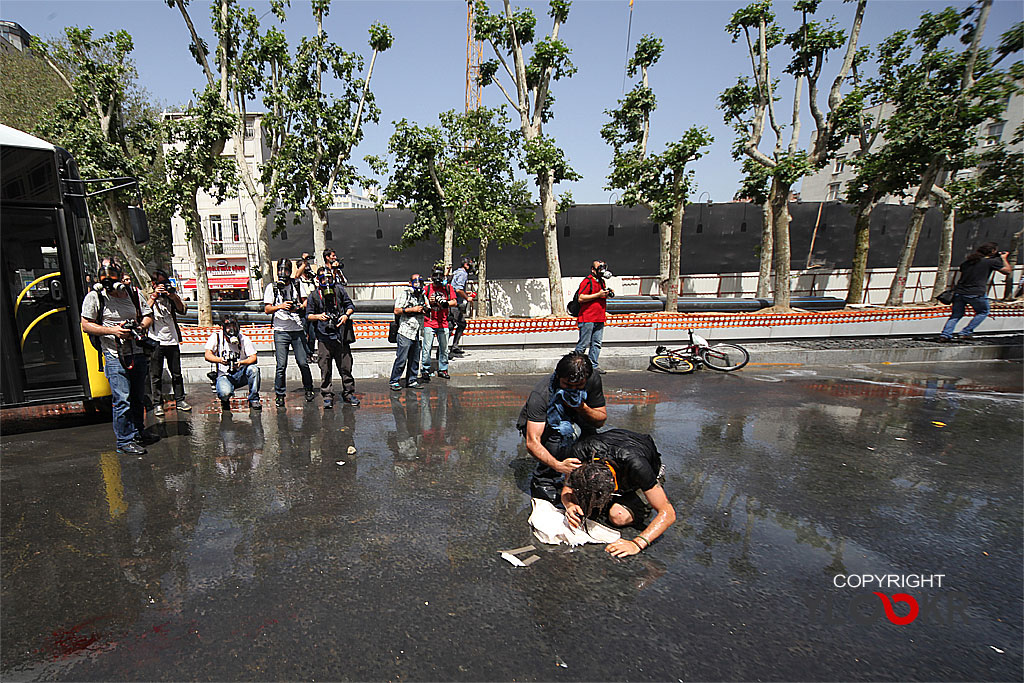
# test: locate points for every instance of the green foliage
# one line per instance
(29, 89)
(461, 170)
(317, 103)
(194, 162)
(111, 128)
(934, 118)
(658, 181)
(543, 155)
(647, 52)
(754, 186)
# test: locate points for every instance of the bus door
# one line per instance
(39, 358)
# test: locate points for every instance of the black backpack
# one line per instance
(574, 305)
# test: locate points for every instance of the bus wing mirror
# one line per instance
(140, 225)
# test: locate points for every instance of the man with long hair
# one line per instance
(615, 466)
(970, 289)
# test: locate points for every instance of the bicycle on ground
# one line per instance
(699, 352)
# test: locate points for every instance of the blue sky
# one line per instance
(424, 73)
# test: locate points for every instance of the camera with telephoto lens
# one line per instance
(139, 335)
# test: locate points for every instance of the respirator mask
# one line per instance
(602, 271)
(109, 277)
(230, 328)
(417, 285)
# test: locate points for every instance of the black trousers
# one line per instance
(459, 318)
(334, 350)
(172, 354)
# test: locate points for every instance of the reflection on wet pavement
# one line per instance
(239, 548)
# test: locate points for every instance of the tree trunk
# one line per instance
(665, 242)
(945, 250)
(117, 211)
(263, 248)
(924, 192)
(547, 202)
(482, 294)
(319, 231)
(780, 242)
(861, 246)
(449, 240)
(198, 245)
(675, 253)
(764, 288)
(1011, 258)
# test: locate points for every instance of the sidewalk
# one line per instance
(535, 359)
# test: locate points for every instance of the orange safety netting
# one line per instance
(378, 329)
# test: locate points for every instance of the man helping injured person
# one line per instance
(616, 464)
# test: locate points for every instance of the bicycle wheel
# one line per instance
(725, 357)
(673, 364)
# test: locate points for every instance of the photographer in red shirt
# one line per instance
(593, 295)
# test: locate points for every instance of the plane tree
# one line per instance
(658, 181)
(530, 65)
(458, 179)
(750, 107)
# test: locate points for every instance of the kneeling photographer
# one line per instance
(330, 307)
(235, 356)
(114, 314)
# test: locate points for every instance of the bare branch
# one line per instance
(200, 55)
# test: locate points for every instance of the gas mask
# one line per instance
(437, 276)
(469, 266)
(324, 279)
(417, 285)
(284, 272)
(602, 271)
(109, 277)
(230, 328)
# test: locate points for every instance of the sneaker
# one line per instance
(443, 374)
(182, 405)
(350, 400)
(158, 411)
(944, 339)
(310, 395)
(146, 437)
(413, 384)
(395, 386)
(456, 351)
(131, 449)
(425, 379)
(225, 404)
(255, 405)
(328, 402)
(601, 371)
(279, 401)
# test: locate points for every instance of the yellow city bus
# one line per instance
(47, 248)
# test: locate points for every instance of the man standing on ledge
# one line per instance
(593, 296)
(569, 399)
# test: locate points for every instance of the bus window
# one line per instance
(31, 268)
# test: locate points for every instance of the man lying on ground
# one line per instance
(616, 464)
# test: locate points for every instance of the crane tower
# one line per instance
(474, 55)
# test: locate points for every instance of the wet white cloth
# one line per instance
(550, 526)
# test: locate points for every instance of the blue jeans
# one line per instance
(442, 348)
(960, 303)
(408, 349)
(245, 374)
(127, 391)
(591, 335)
(297, 340)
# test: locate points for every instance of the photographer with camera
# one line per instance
(331, 309)
(284, 299)
(972, 288)
(306, 278)
(235, 356)
(410, 306)
(117, 320)
(167, 306)
(440, 298)
(335, 265)
(593, 295)
(459, 279)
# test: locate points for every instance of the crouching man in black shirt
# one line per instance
(616, 464)
(568, 402)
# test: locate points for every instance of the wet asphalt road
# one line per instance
(239, 549)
